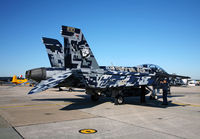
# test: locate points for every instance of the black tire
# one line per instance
(119, 100)
(94, 97)
(70, 89)
(60, 89)
(169, 91)
(153, 97)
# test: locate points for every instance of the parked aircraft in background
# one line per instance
(74, 65)
(19, 80)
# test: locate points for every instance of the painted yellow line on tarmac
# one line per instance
(186, 104)
(33, 105)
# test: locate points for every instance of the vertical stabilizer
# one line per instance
(14, 79)
(55, 52)
(77, 51)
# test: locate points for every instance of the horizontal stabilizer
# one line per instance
(51, 82)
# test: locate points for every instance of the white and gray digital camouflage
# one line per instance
(74, 65)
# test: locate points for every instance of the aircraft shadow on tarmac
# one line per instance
(171, 96)
(150, 103)
(77, 103)
(84, 102)
(64, 90)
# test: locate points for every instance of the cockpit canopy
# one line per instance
(152, 68)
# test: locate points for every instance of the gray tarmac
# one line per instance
(54, 114)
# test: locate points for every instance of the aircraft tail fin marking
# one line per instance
(77, 51)
(55, 52)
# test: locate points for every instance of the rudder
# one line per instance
(55, 52)
(76, 49)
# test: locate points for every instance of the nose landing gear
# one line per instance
(119, 100)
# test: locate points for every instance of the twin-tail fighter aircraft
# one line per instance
(74, 65)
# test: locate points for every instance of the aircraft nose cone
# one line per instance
(36, 74)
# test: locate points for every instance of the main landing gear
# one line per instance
(70, 89)
(60, 89)
(94, 97)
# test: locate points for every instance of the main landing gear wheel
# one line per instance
(70, 89)
(119, 100)
(60, 89)
(95, 97)
(153, 97)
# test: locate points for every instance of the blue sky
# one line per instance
(125, 33)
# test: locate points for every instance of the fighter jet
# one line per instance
(74, 65)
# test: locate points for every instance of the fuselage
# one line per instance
(102, 78)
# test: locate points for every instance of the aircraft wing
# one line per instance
(182, 77)
(51, 82)
(172, 75)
